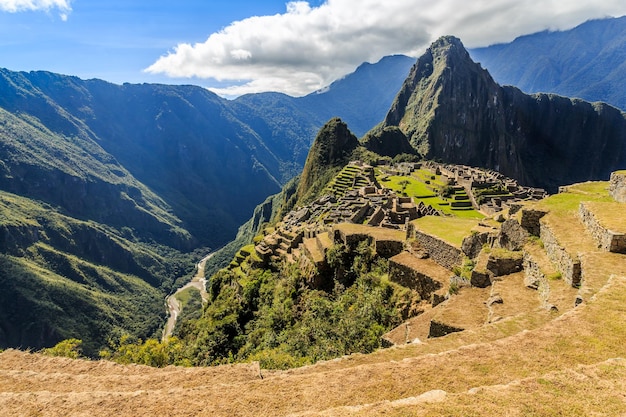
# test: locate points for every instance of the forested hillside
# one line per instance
(112, 192)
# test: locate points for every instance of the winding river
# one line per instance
(173, 305)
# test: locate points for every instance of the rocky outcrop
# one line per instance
(503, 262)
(512, 235)
(387, 141)
(530, 220)
(473, 243)
(451, 109)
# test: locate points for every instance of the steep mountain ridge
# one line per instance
(450, 108)
(184, 133)
(332, 148)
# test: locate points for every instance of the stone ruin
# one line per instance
(617, 186)
(473, 180)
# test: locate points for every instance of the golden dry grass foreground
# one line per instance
(535, 363)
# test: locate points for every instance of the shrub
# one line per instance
(69, 348)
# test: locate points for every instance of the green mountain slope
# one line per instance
(61, 277)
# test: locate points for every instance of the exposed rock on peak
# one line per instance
(387, 141)
(450, 108)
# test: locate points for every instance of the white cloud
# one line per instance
(308, 47)
(14, 6)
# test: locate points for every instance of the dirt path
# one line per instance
(173, 305)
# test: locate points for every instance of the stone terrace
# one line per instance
(489, 190)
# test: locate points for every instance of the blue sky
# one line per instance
(240, 46)
(116, 39)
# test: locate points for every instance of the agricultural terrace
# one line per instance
(452, 230)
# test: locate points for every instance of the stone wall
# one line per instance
(607, 240)
(530, 220)
(438, 329)
(617, 186)
(388, 248)
(441, 252)
(411, 278)
(533, 276)
(566, 263)
(535, 279)
(351, 240)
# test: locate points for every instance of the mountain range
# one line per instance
(107, 189)
(102, 180)
(588, 61)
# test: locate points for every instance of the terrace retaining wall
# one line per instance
(617, 186)
(566, 263)
(607, 240)
(441, 252)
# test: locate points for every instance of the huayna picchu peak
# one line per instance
(450, 108)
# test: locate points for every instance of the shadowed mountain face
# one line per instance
(449, 108)
(207, 161)
(182, 143)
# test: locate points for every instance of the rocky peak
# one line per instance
(450, 108)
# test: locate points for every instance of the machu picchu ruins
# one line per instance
(495, 254)
(358, 195)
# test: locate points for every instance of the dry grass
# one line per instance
(465, 310)
(516, 298)
(426, 266)
(588, 335)
(378, 233)
(610, 215)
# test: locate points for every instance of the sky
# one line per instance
(236, 47)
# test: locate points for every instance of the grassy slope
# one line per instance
(62, 277)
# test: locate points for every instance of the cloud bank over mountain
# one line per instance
(307, 47)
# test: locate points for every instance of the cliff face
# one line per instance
(451, 109)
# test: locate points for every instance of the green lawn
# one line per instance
(452, 230)
(421, 192)
(570, 201)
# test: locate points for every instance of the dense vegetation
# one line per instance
(278, 319)
(67, 278)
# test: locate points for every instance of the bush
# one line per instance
(69, 348)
